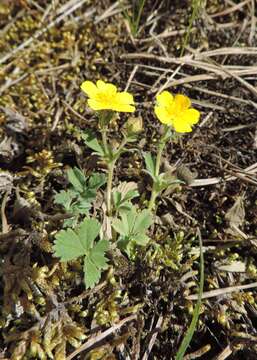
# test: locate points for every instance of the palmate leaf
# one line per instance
(121, 226)
(141, 239)
(92, 273)
(64, 198)
(70, 244)
(122, 199)
(96, 180)
(164, 180)
(87, 232)
(131, 227)
(77, 178)
(94, 263)
(143, 221)
(131, 194)
(78, 198)
(97, 254)
(117, 198)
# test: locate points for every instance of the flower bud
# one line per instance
(134, 125)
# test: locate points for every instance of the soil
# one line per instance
(47, 51)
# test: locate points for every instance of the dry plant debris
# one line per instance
(142, 308)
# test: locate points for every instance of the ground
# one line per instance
(142, 307)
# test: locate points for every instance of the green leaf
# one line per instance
(64, 198)
(96, 180)
(164, 180)
(68, 245)
(97, 254)
(141, 239)
(116, 195)
(143, 221)
(132, 226)
(94, 263)
(77, 179)
(123, 242)
(150, 163)
(82, 178)
(82, 206)
(87, 232)
(77, 200)
(131, 194)
(125, 207)
(92, 273)
(131, 219)
(92, 142)
(70, 223)
(120, 226)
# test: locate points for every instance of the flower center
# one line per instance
(105, 98)
(174, 110)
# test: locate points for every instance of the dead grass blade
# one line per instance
(95, 339)
(224, 291)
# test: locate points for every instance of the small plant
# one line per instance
(125, 224)
(196, 6)
(104, 96)
(134, 18)
(131, 227)
(176, 114)
(122, 201)
(77, 200)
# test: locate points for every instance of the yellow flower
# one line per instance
(176, 111)
(104, 96)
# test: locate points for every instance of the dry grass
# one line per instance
(47, 49)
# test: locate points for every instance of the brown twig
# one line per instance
(96, 339)
(153, 338)
(223, 291)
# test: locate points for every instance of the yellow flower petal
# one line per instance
(104, 96)
(96, 105)
(123, 107)
(163, 115)
(181, 126)
(191, 116)
(182, 102)
(125, 98)
(100, 85)
(164, 98)
(110, 89)
(89, 88)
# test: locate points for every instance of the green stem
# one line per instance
(111, 161)
(121, 147)
(109, 187)
(104, 140)
(110, 167)
(161, 146)
(153, 197)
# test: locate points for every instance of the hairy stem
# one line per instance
(153, 197)
(113, 157)
(104, 140)
(161, 146)
(109, 187)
